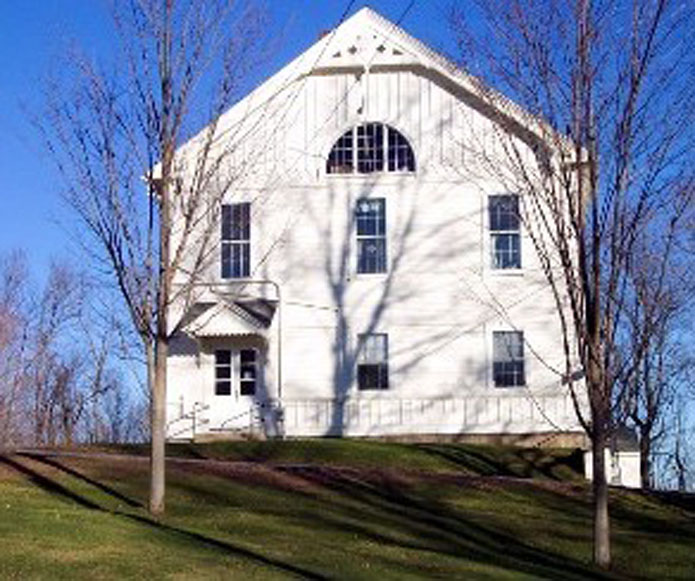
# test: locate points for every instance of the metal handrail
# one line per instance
(191, 416)
(249, 412)
(197, 407)
(181, 431)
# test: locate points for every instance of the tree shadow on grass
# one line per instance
(684, 501)
(50, 486)
(55, 488)
(186, 450)
(517, 462)
(669, 519)
(469, 460)
(84, 478)
(435, 526)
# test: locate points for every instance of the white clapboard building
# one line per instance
(369, 277)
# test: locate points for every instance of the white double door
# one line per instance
(236, 388)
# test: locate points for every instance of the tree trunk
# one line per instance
(167, 142)
(157, 380)
(602, 547)
(645, 451)
(39, 432)
(68, 431)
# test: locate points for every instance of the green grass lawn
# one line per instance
(329, 509)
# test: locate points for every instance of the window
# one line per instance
(248, 371)
(370, 216)
(508, 358)
(369, 148)
(341, 158)
(400, 154)
(223, 372)
(373, 366)
(236, 240)
(505, 238)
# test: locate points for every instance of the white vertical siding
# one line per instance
(441, 303)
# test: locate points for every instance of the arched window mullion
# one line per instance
(371, 148)
(353, 164)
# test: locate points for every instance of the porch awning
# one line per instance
(229, 319)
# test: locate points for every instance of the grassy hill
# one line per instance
(329, 509)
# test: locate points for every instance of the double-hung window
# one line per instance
(505, 232)
(370, 218)
(236, 240)
(373, 362)
(508, 368)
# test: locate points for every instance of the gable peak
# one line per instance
(365, 39)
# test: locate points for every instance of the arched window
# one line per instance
(369, 148)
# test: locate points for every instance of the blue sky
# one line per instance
(32, 35)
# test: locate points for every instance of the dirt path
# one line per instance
(309, 477)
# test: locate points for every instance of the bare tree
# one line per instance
(179, 67)
(599, 147)
(681, 454)
(52, 368)
(68, 359)
(13, 343)
(55, 364)
(653, 360)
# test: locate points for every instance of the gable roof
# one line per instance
(227, 319)
(367, 40)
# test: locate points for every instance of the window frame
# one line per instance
(232, 376)
(220, 365)
(512, 233)
(381, 373)
(237, 240)
(519, 360)
(379, 237)
(256, 371)
(368, 148)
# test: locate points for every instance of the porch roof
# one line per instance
(229, 319)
